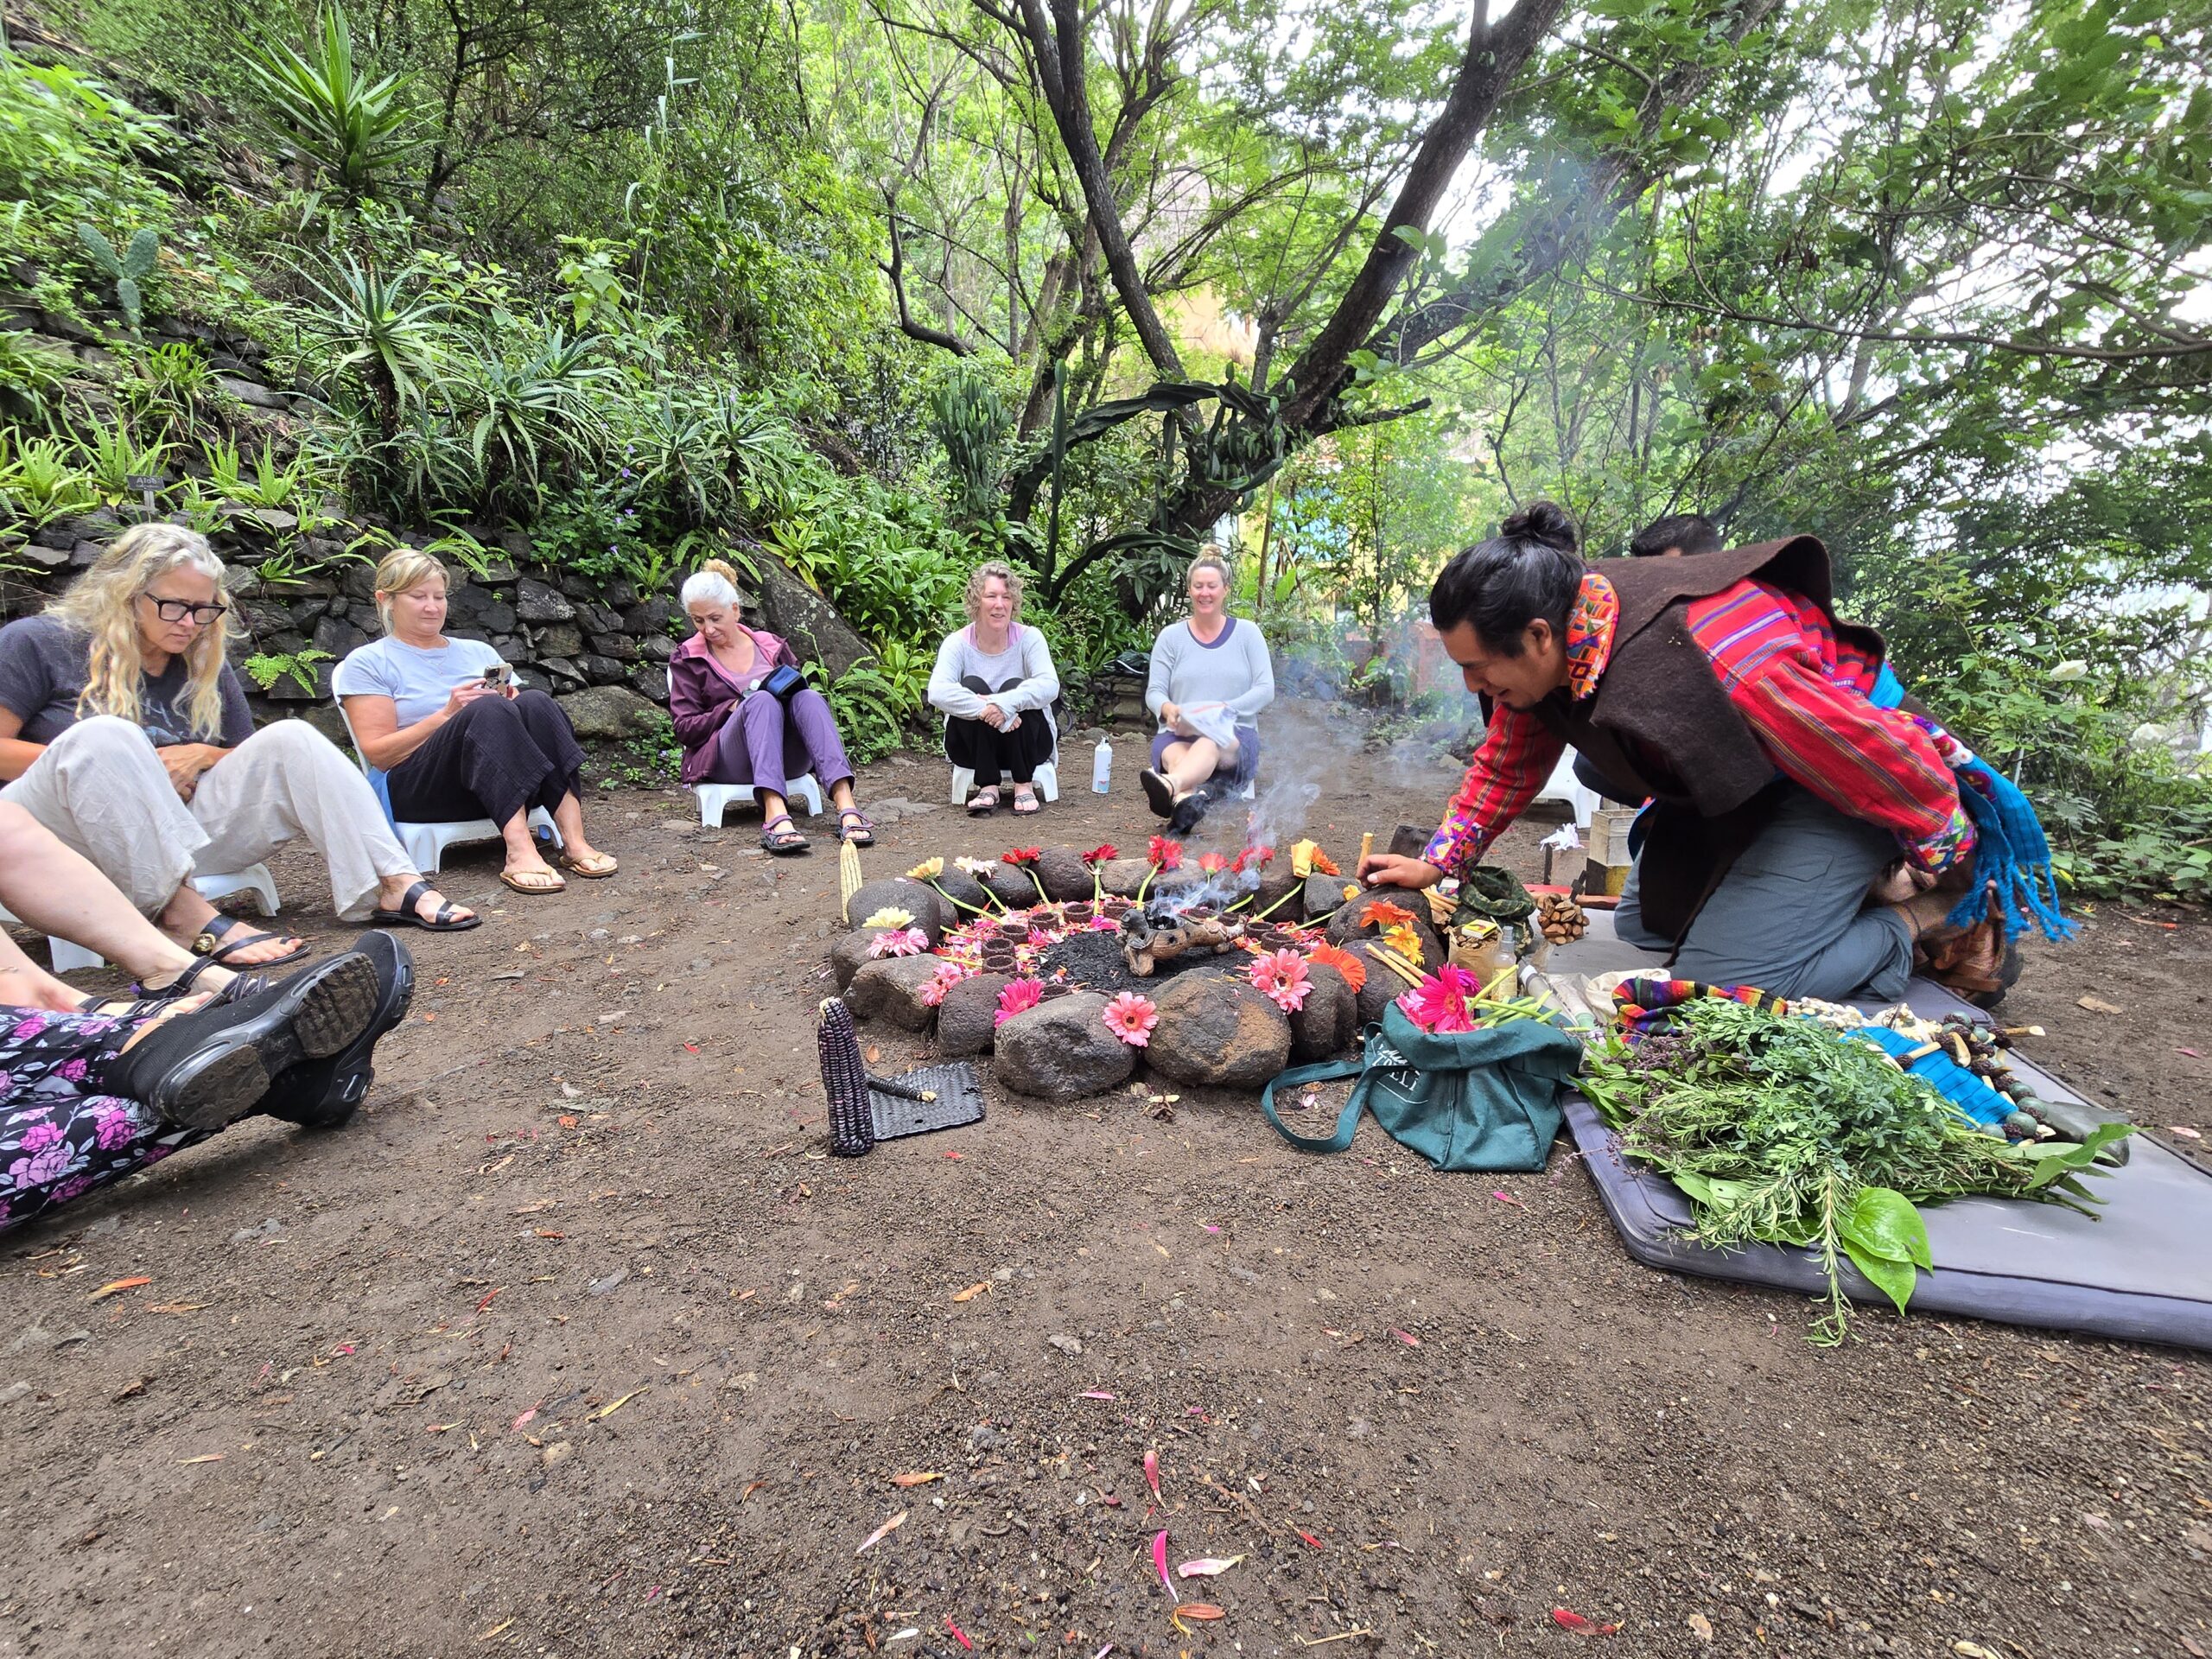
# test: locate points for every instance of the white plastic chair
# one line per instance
(1564, 785)
(255, 878)
(425, 844)
(1047, 781)
(715, 800)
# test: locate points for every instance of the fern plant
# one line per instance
(270, 667)
(127, 270)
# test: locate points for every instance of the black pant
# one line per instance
(494, 759)
(987, 752)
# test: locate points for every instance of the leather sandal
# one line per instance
(983, 802)
(533, 881)
(210, 942)
(598, 866)
(447, 918)
(1025, 802)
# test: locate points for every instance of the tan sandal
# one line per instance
(598, 866)
(533, 881)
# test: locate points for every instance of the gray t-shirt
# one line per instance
(43, 665)
(418, 681)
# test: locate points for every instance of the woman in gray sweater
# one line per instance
(996, 685)
(1211, 676)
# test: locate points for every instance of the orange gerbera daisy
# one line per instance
(1384, 912)
(1336, 956)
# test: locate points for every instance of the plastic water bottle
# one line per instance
(1102, 768)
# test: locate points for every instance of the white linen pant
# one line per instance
(101, 787)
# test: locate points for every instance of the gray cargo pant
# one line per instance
(1791, 917)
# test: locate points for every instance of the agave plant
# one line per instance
(327, 114)
(376, 325)
(114, 457)
(533, 412)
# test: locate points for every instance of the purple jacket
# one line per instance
(703, 694)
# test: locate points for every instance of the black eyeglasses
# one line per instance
(176, 610)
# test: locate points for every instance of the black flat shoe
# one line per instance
(1159, 793)
(207, 1069)
(323, 1094)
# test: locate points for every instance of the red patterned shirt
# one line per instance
(1802, 693)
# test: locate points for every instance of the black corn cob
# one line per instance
(844, 1082)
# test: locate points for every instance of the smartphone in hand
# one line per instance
(497, 676)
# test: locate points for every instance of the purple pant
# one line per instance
(1239, 772)
(764, 741)
(59, 1136)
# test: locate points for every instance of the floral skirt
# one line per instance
(60, 1136)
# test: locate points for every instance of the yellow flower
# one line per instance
(1402, 939)
(1351, 891)
(928, 870)
(890, 916)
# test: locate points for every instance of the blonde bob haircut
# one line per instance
(401, 571)
(102, 604)
(972, 600)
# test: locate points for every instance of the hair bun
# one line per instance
(722, 568)
(1544, 521)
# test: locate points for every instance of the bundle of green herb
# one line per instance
(1779, 1132)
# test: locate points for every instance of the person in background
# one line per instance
(1211, 678)
(744, 718)
(454, 734)
(1725, 687)
(124, 731)
(1675, 537)
(996, 685)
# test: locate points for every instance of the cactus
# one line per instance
(126, 270)
(844, 1082)
(971, 421)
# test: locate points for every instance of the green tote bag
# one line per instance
(1486, 1099)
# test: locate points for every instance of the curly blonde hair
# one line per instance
(400, 571)
(972, 600)
(100, 605)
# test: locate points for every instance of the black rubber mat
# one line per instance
(959, 1100)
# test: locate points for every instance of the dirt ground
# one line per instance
(574, 1343)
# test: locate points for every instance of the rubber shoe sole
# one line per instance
(323, 1094)
(212, 1084)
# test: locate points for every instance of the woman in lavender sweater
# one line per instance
(734, 732)
(1210, 676)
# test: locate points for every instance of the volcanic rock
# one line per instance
(1324, 895)
(1011, 886)
(1062, 1050)
(1066, 877)
(1349, 921)
(1276, 884)
(917, 898)
(1123, 876)
(967, 1018)
(1325, 1025)
(1217, 1029)
(850, 953)
(1382, 985)
(892, 990)
(958, 884)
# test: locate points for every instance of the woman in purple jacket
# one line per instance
(734, 731)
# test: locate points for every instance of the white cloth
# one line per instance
(1234, 671)
(100, 787)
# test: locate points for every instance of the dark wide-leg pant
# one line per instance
(987, 752)
(499, 756)
(1791, 916)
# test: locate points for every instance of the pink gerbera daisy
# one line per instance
(1131, 1018)
(1018, 996)
(1281, 976)
(947, 974)
(1440, 1002)
(898, 942)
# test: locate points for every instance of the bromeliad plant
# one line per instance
(1779, 1132)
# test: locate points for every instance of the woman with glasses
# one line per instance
(123, 730)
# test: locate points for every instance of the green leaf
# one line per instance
(1882, 1222)
(1895, 1279)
